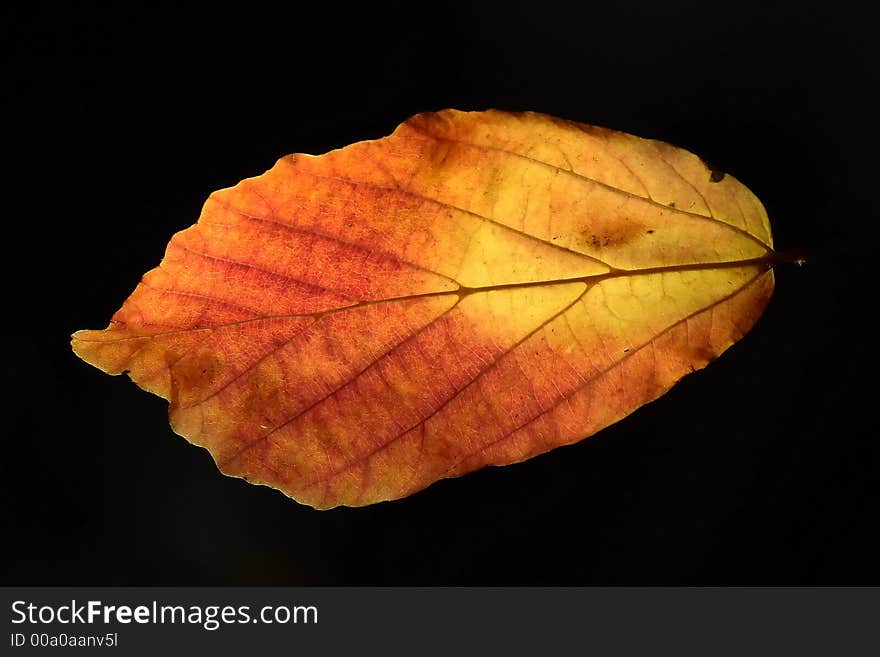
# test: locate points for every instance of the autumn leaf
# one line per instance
(474, 289)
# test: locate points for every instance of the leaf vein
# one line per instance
(248, 265)
(473, 381)
(476, 215)
(342, 385)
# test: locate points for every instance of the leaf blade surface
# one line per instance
(475, 289)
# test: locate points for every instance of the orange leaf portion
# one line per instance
(474, 289)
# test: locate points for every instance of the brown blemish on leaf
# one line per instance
(602, 234)
(192, 373)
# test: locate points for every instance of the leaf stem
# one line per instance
(796, 256)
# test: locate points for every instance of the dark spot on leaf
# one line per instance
(672, 205)
(192, 371)
(650, 231)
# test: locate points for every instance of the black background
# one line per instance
(761, 469)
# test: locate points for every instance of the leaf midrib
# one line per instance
(587, 280)
(766, 261)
